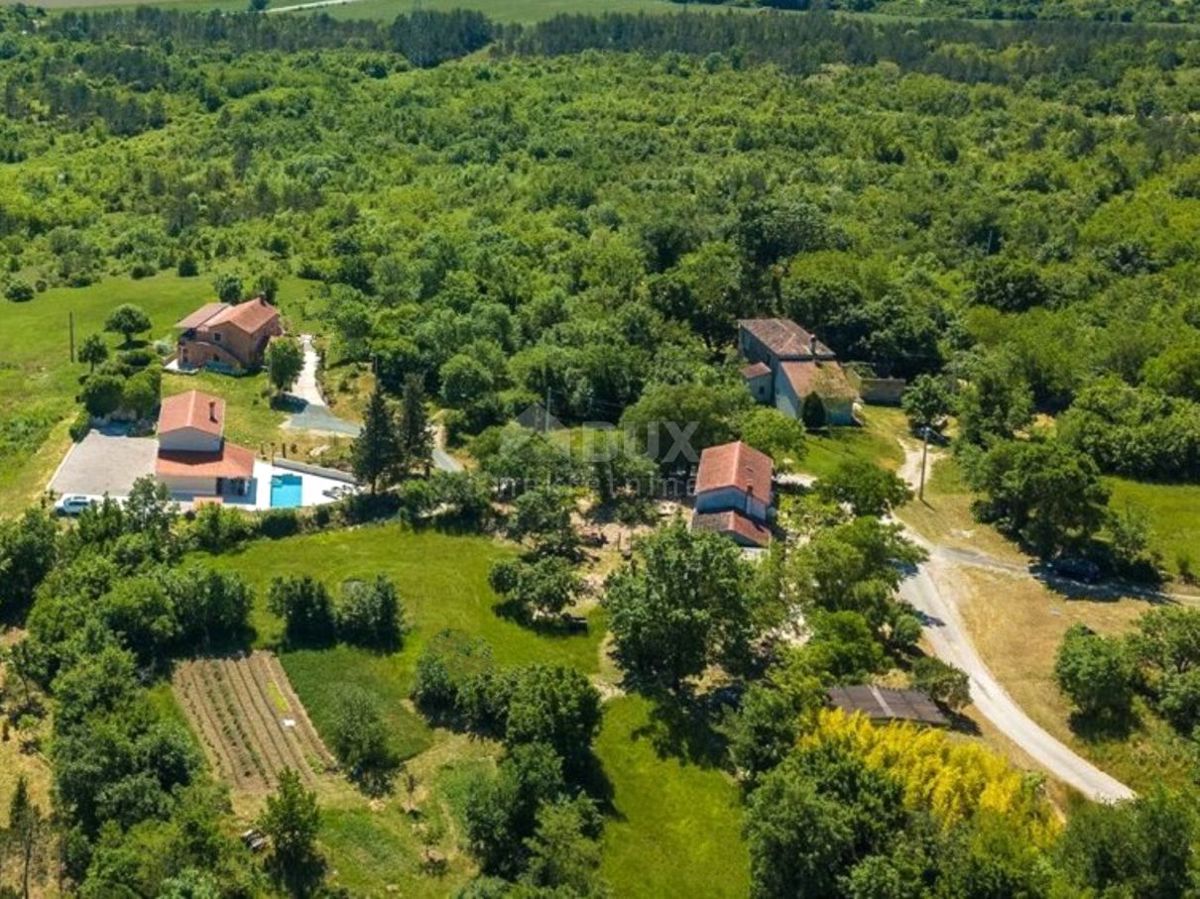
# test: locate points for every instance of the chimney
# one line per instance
(812, 345)
(212, 410)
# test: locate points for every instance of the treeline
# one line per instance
(424, 37)
(1055, 10)
(802, 44)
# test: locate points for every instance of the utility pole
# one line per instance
(924, 454)
(71, 328)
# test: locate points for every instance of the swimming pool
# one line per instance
(285, 491)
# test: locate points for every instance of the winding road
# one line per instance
(951, 642)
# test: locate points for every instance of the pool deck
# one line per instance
(312, 487)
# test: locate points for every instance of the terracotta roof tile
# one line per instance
(250, 316)
(732, 523)
(192, 410)
(232, 461)
(785, 338)
(756, 370)
(737, 465)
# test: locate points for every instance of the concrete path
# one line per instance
(929, 590)
(311, 413)
(442, 460)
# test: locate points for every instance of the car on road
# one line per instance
(74, 504)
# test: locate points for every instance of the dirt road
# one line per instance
(929, 590)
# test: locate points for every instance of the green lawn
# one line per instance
(875, 441)
(1174, 511)
(442, 579)
(677, 826)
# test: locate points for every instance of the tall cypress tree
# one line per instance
(412, 427)
(376, 451)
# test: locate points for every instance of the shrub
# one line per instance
(450, 660)
(941, 682)
(19, 291)
(188, 267)
(101, 395)
(307, 610)
(81, 425)
(141, 357)
(360, 740)
(371, 614)
(1095, 672)
(279, 523)
(217, 529)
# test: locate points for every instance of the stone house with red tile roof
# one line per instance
(734, 491)
(798, 365)
(226, 336)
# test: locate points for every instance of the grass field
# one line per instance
(677, 827)
(1174, 511)
(442, 579)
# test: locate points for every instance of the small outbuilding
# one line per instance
(883, 705)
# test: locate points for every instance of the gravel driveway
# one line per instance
(105, 463)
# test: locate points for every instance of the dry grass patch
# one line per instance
(1017, 624)
(944, 515)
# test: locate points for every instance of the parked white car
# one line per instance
(74, 504)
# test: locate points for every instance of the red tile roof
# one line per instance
(756, 370)
(200, 316)
(250, 316)
(232, 461)
(734, 524)
(785, 338)
(826, 379)
(192, 410)
(737, 465)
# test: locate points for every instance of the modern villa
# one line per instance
(194, 458)
(227, 337)
(734, 493)
(787, 364)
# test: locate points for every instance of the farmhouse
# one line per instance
(787, 364)
(733, 493)
(194, 458)
(227, 337)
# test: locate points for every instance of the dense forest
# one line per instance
(587, 207)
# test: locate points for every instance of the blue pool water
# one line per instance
(285, 491)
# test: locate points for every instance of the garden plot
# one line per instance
(249, 720)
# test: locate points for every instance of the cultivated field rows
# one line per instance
(250, 721)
